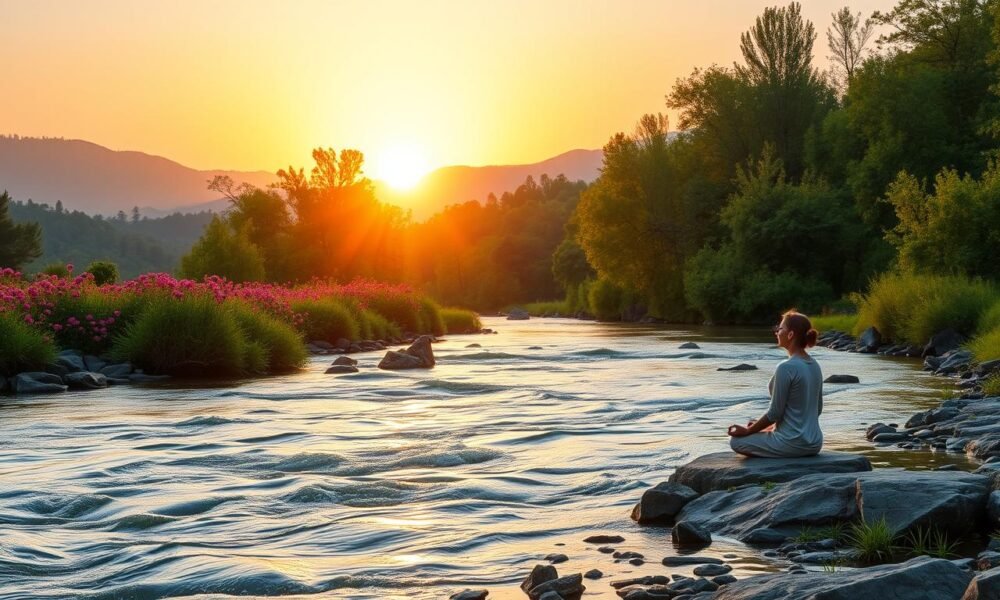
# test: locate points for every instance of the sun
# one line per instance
(402, 165)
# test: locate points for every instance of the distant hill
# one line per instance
(451, 185)
(94, 179)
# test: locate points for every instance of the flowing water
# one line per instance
(410, 484)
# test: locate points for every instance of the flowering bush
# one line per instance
(76, 312)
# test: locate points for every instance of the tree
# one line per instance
(135, 214)
(951, 32)
(20, 243)
(224, 252)
(847, 39)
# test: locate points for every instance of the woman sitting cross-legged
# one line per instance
(791, 425)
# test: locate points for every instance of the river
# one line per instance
(410, 484)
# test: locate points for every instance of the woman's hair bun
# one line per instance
(811, 336)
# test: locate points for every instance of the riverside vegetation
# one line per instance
(166, 325)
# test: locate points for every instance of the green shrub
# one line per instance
(430, 317)
(189, 335)
(96, 322)
(22, 348)
(327, 320)
(57, 269)
(874, 542)
(380, 327)
(537, 309)
(912, 308)
(458, 320)
(104, 272)
(830, 532)
(930, 542)
(843, 323)
(606, 300)
(991, 385)
(281, 347)
(402, 310)
(990, 319)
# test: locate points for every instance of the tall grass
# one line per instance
(379, 327)
(191, 335)
(844, 323)
(272, 346)
(459, 320)
(874, 542)
(912, 308)
(537, 309)
(327, 320)
(986, 346)
(22, 348)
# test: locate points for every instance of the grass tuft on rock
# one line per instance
(22, 348)
(986, 346)
(930, 542)
(874, 542)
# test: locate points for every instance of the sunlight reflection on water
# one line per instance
(398, 484)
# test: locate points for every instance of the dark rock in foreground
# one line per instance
(36, 382)
(569, 587)
(842, 379)
(953, 502)
(86, 380)
(539, 575)
(739, 367)
(723, 470)
(345, 361)
(340, 369)
(690, 533)
(604, 539)
(925, 578)
(662, 502)
(470, 595)
(689, 346)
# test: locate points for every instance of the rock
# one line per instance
(942, 342)
(954, 502)
(85, 380)
(636, 562)
(340, 369)
(923, 577)
(842, 379)
(342, 344)
(825, 557)
(987, 560)
(71, 360)
(569, 587)
(593, 574)
(474, 346)
(555, 558)
(606, 550)
(870, 340)
(689, 346)
(765, 536)
(117, 371)
(690, 559)
(662, 502)
(94, 363)
(539, 575)
(139, 377)
(470, 595)
(739, 367)
(878, 428)
(645, 580)
(550, 595)
(692, 586)
(346, 361)
(418, 356)
(885, 438)
(954, 361)
(400, 360)
(518, 314)
(985, 586)
(993, 508)
(711, 570)
(723, 470)
(690, 533)
(36, 382)
(604, 539)
(627, 555)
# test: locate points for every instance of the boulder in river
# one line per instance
(943, 342)
(662, 502)
(842, 379)
(870, 340)
(690, 533)
(36, 382)
(117, 370)
(689, 346)
(518, 314)
(723, 470)
(569, 587)
(739, 367)
(86, 380)
(345, 361)
(340, 370)
(953, 502)
(418, 356)
(71, 360)
(604, 539)
(923, 577)
(539, 575)
(470, 595)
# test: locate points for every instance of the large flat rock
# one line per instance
(925, 578)
(723, 470)
(951, 501)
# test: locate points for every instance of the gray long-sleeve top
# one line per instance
(797, 402)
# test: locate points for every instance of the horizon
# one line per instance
(424, 89)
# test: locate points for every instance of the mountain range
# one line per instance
(91, 178)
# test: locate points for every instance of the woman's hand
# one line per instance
(738, 431)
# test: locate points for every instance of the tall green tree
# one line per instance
(224, 252)
(20, 243)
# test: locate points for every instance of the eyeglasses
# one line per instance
(777, 328)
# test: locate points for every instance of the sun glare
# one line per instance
(401, 165)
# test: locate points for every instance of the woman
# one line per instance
(791, 425)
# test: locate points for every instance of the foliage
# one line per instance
(554, 307)
(990, 319)
(930, 542)
(225, 253)
(458, 320)
(57, 269)
(103, 271)
(327, 320)
(911, 308)
(847, 39)
(991, 385)
(833, 322)
(379, 327)
(606, 300)
(874, 542)
(953, 230)
(22, 347)
(280, 346)
(20, 243)
(835, 531)
(190, 335)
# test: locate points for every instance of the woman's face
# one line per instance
(783, 334)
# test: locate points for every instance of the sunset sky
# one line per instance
(256, 85)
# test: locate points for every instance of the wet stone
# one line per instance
(606, 550)
(712, 570)
(604, 539)
(683, 560)
(593, 574)
(556, 558)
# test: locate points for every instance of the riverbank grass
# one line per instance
(22, 348)
(842, 323)
(458, 320)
